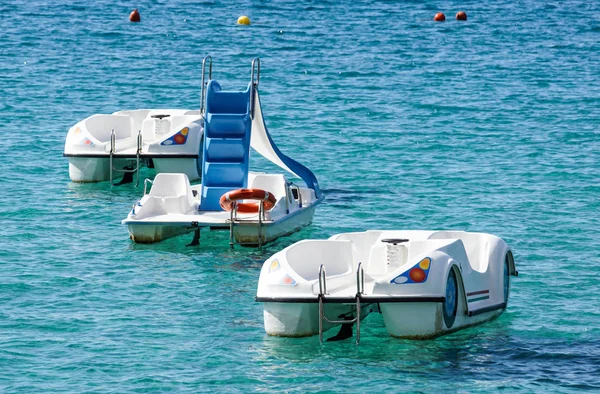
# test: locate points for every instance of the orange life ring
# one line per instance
(228, 198)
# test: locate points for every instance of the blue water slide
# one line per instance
(226, 147)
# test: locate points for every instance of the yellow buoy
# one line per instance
(243, 20)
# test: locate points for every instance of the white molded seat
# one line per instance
(273, 183)
(101, 126)
(475, 244)
(337, 257)
(170, 185)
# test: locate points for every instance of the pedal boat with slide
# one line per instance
(424, 283)
(255, 207)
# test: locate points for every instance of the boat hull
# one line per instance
(97, 169)
(147, 234)
(244, 233)
(248, 233)
(92, 169)
(300, 320)
(425, 320)
(189, 167)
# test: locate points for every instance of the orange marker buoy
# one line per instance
(439, 17)
(134, 16)
(461, 16)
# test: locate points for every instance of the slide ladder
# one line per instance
(226, 149)
(233, 122)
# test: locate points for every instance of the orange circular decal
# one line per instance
(179, 139)
(417, 275)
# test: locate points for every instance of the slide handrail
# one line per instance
(204, 84)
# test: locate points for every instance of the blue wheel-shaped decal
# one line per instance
(506, 280)
(450, 305)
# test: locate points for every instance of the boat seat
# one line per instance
(363, 240)
(476, 246)
(137, 117)
(273, 183)
(101, 126)
(179, 204)
(169, 185)
(306, 257)
(174, 192)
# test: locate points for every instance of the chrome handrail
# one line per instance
(137, 158)
(232, 217)
(322, 291)
(360, 288)
(203, 87)
(146, 182)
(113, 147)
(255, 64)
(113, 138)
(322, 280)
(360, 280)
(261, 213)
(254, 85)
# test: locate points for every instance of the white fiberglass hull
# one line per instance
(245, 232)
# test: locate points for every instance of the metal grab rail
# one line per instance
(233, 218)
(113, 143)
(360, 279)
(204, 84)
(255, 65)
(322, 280)
(261, 214)
(360, 288)
(232, 215)
(146, 182)
(322, 292)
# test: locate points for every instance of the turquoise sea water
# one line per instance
(487, 125)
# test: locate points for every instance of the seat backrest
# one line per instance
(273, 183)
(363, 240)
(475, 245)
(305, 258)
(170, 185)
(137, 117)
(100, 126)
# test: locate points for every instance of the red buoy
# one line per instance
(461, 16)
(134, 16)
(439, 17)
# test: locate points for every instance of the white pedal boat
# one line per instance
(101, 146)
(172, 208)
(424, 283)
(234, 123)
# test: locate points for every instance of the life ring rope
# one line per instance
(237, 195)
